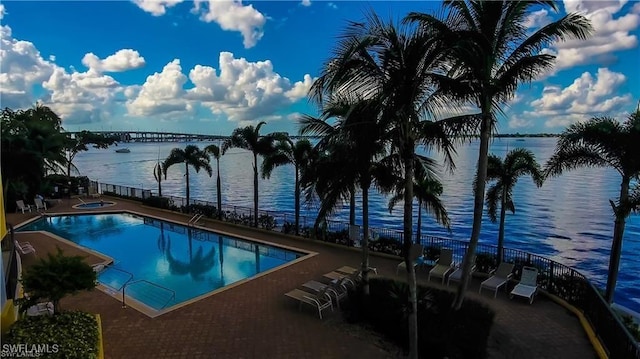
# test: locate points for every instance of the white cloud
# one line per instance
(612, 32)
(156, 7)
(81, 97)
(306, 3)
(122, 60)
(516, 122)
(22, 68)
(584, 98)
(162, 93)
(538, 19)
(300, 89)
(231, 15)
(240, 90)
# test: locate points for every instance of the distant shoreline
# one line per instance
(523, 135)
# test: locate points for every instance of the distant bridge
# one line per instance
(150, 136)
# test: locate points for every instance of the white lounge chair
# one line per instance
(321, 300)
(40, 204)
(40, 309)
(415, 254)
(23, 207)
(338, 290)
(500, 277)
(528, 285)
(443, 266)
(456, 275)
(24, 247)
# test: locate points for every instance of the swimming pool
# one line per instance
(94, 205)
(162, 264)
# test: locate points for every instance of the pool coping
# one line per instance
(143, 308)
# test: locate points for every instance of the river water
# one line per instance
(568, 219)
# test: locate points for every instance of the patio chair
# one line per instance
(40, 204)
(456, 275)
(528, 285)
(21, 206)
(351, 270)
(443, 266)
(321, 300)
(40, 309)
(500, 277)
(338, 290)
(415, 254)
(344, 278)
(25, 247)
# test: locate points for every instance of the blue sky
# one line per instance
(212, 66)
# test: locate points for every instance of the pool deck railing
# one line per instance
(555, 278)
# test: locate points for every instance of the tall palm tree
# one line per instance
(357, 130)
(402, 69)
(157, 175)
(604, 142)
(518, 162)
(249, 138)
(491, 52)
(427, 190)
(288, 152)
(214, 151)
(190, 156)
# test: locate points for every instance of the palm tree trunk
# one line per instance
(219, 194)
(503, 214)
(478, 206)
(419, 226)
(365, 240)
(352, 207)
(187, 175)
(297, 200)
(255, 190)
(407, 241)
(616, 245)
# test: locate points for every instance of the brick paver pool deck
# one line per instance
(256, 320)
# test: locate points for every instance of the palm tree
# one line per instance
(214, 151)
(427, 191)
(157, 174)
(248, 138)
(491, 53)
(287, 152)
(604, 142)
(402, 69)
(190, 156)
(518, 162)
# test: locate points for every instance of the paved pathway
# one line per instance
(255, 319)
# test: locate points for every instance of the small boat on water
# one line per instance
(123, 150)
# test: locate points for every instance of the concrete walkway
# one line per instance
(255, 319)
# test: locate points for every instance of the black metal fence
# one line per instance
(555, 278)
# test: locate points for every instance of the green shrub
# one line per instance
(486, 262)
(157, 202)
(55, 277)
(631, 326)
(442, 332)
(67, 335)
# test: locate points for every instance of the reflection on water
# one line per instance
(569, 219)
(187, 261)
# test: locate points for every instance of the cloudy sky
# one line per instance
(211, 66)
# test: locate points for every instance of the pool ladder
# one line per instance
(194, 220)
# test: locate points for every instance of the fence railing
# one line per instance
(555, 278)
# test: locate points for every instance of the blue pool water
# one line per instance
(164, 263)
(94, 205)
